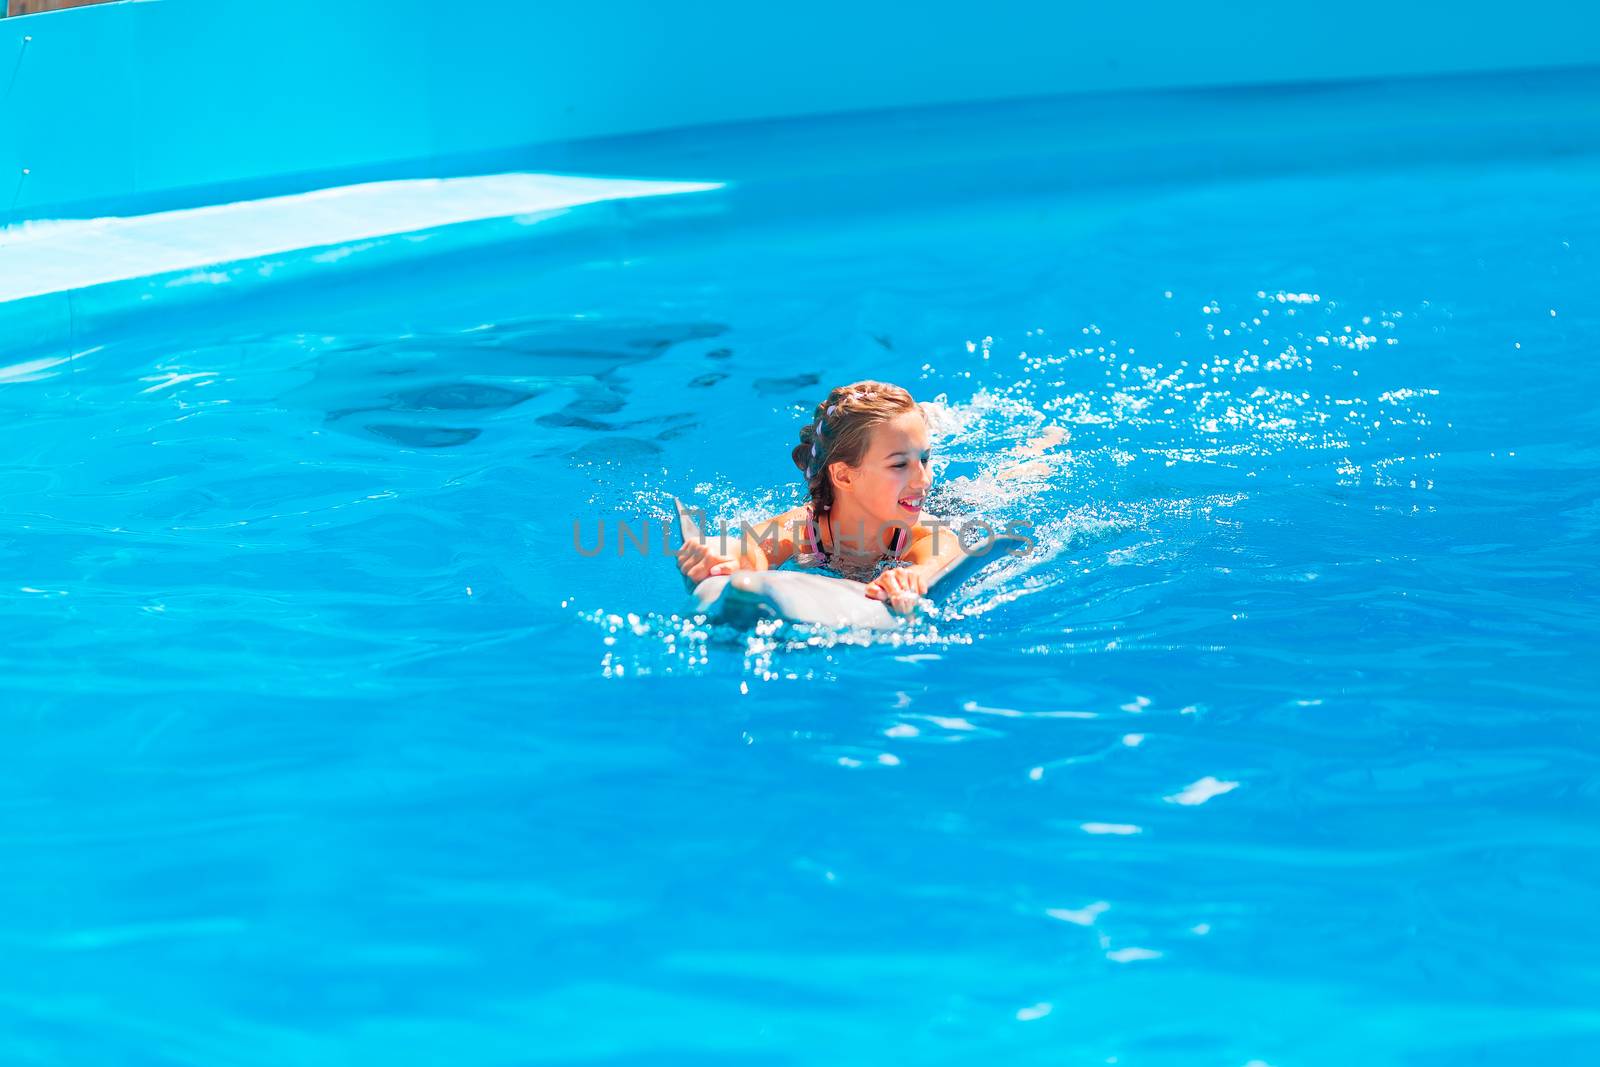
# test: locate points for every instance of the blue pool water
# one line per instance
(324, 746)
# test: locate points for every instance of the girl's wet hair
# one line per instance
(840, 431)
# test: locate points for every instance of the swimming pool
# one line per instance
(326, 746)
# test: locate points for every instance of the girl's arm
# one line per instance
(932, 549)
(699, 560)
(755, 546)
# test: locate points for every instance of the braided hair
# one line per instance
(840, 430)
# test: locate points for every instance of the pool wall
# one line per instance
(154, 104)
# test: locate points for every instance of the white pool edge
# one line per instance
(61, 279)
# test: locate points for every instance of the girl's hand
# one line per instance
(698, 562)
(900, 588)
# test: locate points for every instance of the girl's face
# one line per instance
(894, 475)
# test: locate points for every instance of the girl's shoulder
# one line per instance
(786, 524)
(931, 540)
(783, 533)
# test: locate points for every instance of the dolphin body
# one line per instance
(744, 598)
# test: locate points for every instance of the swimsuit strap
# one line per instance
(815, 535)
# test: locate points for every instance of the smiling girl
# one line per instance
(865, 457)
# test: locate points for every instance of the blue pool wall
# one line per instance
(156, 103)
